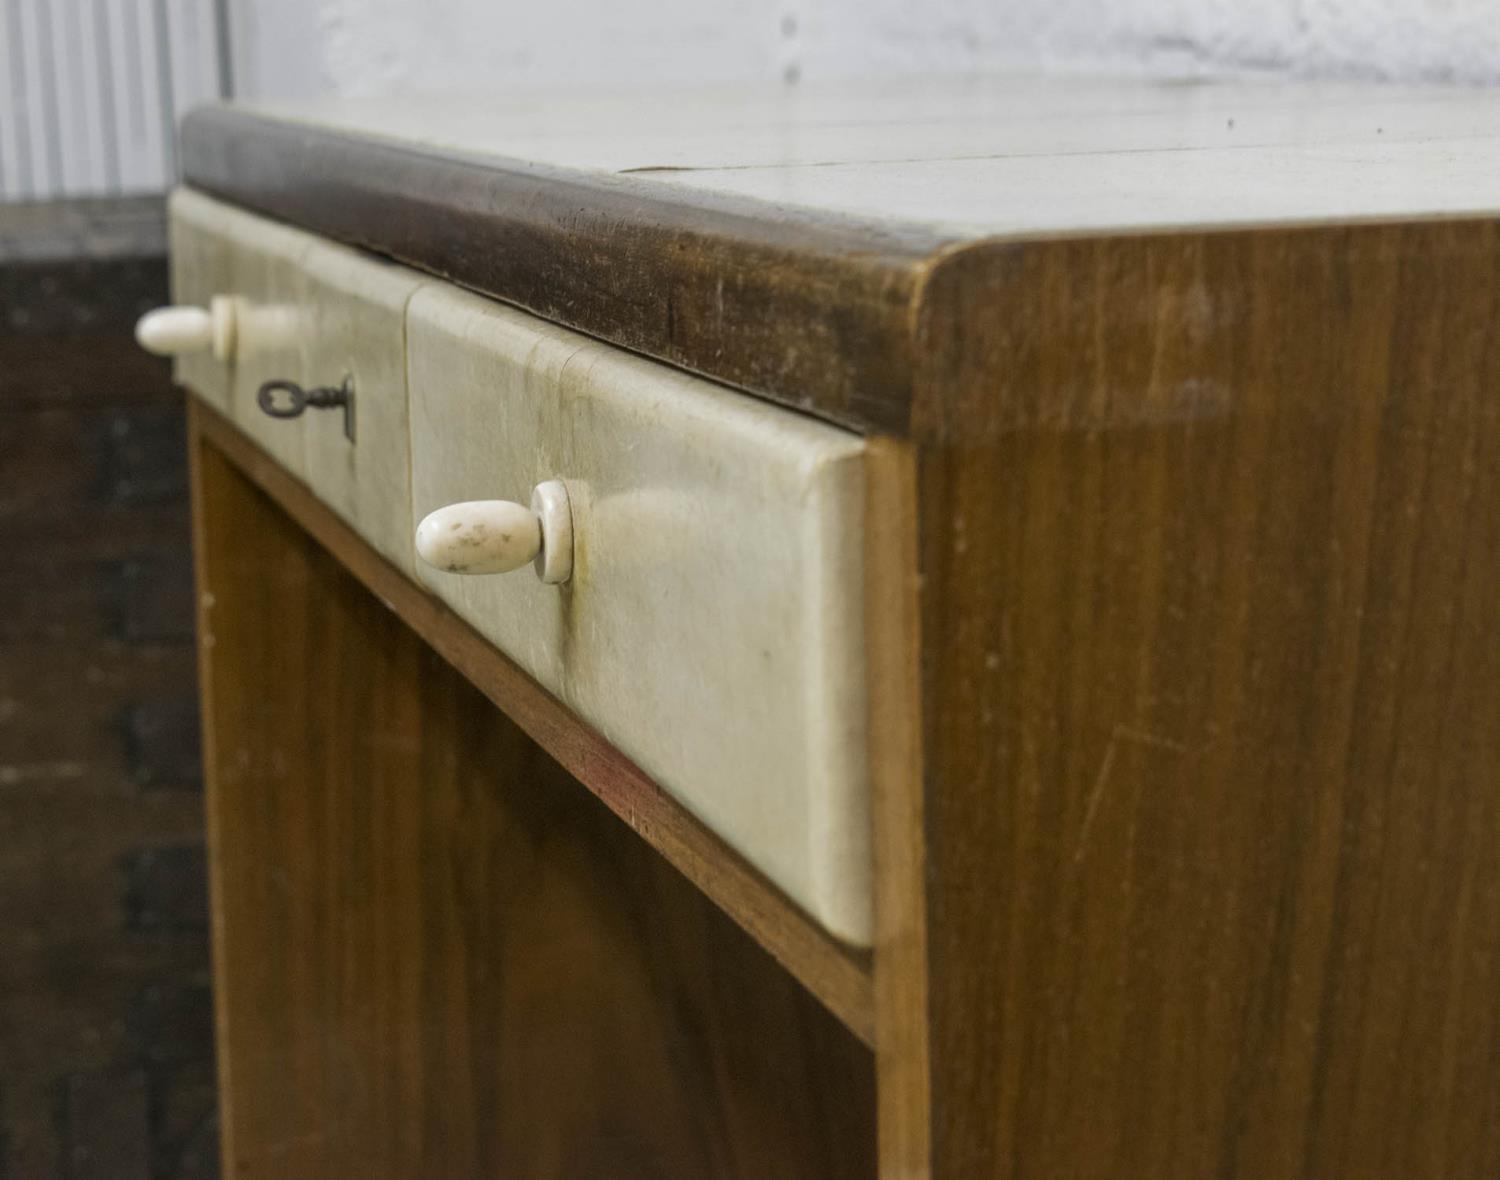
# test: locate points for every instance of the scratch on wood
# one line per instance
(1142, 738)
(1120, 733)
(1095, 794)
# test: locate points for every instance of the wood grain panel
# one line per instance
(893, 624)
(437, 953)
(1212, 705)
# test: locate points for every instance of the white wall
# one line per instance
(90, 89)
(361, 47)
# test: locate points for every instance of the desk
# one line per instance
(1177, 537)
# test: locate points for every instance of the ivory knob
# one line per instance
(497, 536)
(179, 331)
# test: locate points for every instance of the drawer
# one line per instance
(320, 315)
(712, 626)
(200, 259)
(355, 309)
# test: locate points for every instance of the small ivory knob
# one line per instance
(480, 537)
(179, 331)
(496, 536)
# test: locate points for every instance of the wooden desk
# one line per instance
(1180, 546)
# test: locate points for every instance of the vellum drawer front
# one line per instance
(200, 258)
(356, 310)
(712, 626)
(320, 315)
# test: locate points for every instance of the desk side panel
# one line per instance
(1210, 541)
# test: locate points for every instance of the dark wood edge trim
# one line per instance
(838, 976)
(961, 284)
(808, 309)
(893, 626)
(223, 980)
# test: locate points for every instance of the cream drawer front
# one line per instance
(712, 627)
(356, 309)
(319, 315)
(200, 260)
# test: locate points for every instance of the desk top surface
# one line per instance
(1000, 155)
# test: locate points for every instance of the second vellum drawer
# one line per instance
(317, 314)
(712, 627)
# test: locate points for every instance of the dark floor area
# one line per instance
(106, 1066)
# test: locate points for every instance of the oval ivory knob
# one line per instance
(496, 536)
(480, 537)
(171, 331)
(178, 331)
